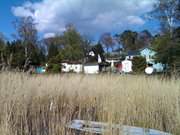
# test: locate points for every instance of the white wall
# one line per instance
(77, 68)
(127, 66)
(91, 69)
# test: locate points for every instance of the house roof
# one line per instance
(146, 47)
(91, 64)
(134, 53)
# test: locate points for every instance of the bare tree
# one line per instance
(27, 33)
(168, 13)
(108, 41)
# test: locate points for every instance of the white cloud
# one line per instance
(89, 16)
(21, 11)
(135, 20)
(49, 35)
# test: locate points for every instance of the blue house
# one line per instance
(149, 54)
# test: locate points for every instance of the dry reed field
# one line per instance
(42, 105)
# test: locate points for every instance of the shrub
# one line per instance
(54, 68)
(54, 65)
(139, 65)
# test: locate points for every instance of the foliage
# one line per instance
(14, 55)
(70, 44)
(54, 64)
(107, 41)
(128, 39)
(73, 45)
(53, 51)
(16, 51)
(26, 30)
(139, 64)
(54, 68)
(167, 46)
(2, 46)
(176, 35)
(162, 45)
(27, 34)
(133, 41)
(2, 42)
(168, 51)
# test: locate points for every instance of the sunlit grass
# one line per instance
(42, 105)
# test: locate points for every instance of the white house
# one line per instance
(127, 66)
(68, 67)
(91, 68)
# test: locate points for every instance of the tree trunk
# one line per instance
(26, 64)
(9, 61)
(3, 65)
(27, 61)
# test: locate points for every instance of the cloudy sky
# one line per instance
(90, 17)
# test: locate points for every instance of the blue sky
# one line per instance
(7, 17)
(91, 17)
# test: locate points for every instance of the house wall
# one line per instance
(127, 66)
(65, 67)
(159, 67)
(77, 68)
(148, 54)
(40, 70)
(91, 69)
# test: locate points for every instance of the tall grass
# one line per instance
(42, 105)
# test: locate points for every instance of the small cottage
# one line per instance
(91, 68)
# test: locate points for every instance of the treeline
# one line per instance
(27, 49)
